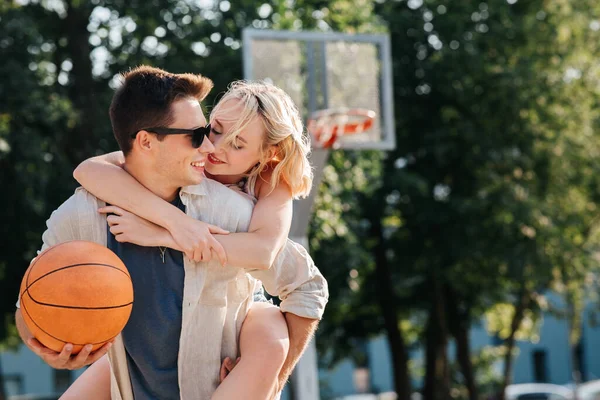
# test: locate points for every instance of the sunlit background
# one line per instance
(461, 262)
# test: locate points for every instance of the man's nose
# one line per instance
(206, 146)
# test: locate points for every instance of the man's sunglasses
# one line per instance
(198, 134)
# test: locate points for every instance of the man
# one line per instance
(187, 316)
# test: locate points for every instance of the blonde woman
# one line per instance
(261, 151)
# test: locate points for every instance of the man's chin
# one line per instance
(196, 179)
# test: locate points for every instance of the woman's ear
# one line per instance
(272, 153)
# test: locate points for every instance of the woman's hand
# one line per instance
(196, 240)
(128, 227)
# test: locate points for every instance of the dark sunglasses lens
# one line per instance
(197, 139)
(199, 135)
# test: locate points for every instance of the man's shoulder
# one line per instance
(76, 219)
(83, 198)
(81, 204)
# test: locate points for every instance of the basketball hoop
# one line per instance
(327, 126)
(326, 70)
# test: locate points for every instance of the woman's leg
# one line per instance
(93, 384)
(264, 344)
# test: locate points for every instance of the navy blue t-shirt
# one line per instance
(151, 336)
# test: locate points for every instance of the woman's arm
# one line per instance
(104, 177)
(269, 226)
(267, 233)
(130, 228)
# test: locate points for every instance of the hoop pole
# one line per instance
(304, 383)
(303, 208)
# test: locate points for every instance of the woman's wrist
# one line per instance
(172, 218)
(170, 242)
(161, 238)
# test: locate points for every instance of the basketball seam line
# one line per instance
(72, 307)
(72, 266)
(54, 337)
(77, 307)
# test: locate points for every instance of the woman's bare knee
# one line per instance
(264, 333)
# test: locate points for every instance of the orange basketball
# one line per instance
(76, 292)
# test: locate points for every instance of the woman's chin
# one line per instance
(210, 170)
(217, 170)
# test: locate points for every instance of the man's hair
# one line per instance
(145, 97)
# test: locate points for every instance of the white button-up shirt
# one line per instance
(216, 299)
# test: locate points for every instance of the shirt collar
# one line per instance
(198, 190)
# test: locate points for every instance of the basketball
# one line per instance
(76, 292)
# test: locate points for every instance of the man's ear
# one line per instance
(143, 140)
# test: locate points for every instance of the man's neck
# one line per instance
(151, 182)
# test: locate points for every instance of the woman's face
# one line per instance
(237, 158)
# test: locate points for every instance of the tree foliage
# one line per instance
(490, 198)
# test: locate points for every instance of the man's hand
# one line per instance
(64, 359)
(227, 366)
(196, 239)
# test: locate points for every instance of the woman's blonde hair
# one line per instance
(284, 130)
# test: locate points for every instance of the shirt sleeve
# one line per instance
(293, 277)
(62, 226)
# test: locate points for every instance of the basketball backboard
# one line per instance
(322, 70)
(326, 75)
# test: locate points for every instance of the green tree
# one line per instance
(490, 197)
(466, 210)
(61, 63)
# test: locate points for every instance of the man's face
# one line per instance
(176, 158)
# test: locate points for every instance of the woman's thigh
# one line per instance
(93, 384)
